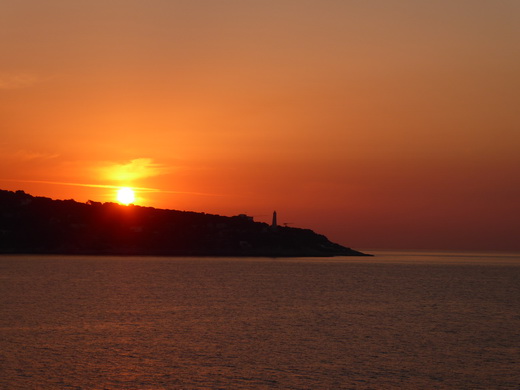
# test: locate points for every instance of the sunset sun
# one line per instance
(125, 195)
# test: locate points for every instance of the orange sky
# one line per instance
(381, 124)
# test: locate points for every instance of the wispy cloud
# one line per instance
(30, 155)
(141, 189)
(119, 175)
(18, 80)
(138, 168)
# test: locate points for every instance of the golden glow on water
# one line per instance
(120, 322)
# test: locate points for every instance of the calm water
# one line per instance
(395, 321)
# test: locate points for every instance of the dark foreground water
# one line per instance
(395, 321)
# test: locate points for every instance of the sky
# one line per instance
(381, 124)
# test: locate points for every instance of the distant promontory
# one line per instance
(30, 224)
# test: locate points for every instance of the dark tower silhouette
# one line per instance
(274, 224)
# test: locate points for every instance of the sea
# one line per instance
(398, 320)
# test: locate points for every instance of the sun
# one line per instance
(125, 195)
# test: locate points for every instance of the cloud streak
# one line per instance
(139, 168)
(18, 80)
(26, 155)
(139, 189)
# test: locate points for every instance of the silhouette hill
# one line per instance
(30, 224)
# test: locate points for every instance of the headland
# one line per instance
(39, 225)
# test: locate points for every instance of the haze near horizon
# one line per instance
(379, 124)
